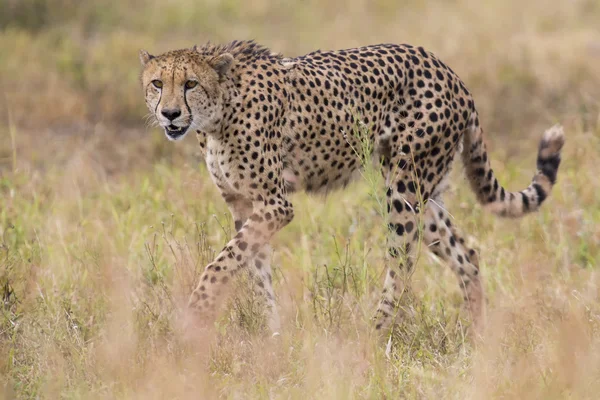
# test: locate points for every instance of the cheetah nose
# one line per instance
(171, 113)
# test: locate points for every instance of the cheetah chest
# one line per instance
(219, 165)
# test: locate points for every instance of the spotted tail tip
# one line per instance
(548, 159)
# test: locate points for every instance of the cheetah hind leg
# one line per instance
(404, 239)
(444, 240)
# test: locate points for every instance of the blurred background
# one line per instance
(105, 225)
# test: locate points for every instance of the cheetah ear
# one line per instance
(145, 57)
(222, 63)
(194, 48)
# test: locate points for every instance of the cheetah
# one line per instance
(269, 126)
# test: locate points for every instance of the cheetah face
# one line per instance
(183, 90)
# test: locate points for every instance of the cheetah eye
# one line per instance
(191, 84)
(157, 84)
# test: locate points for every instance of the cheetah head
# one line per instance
(184, 90)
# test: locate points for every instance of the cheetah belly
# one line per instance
(320, 165)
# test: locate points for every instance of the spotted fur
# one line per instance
(270, 125)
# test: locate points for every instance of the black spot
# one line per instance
(398, 205)
(549, 166)
(401, 187)
(399, 229)
(541, 195)
(525, 201)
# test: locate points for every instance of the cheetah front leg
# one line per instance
(260, 265)
(269, 215)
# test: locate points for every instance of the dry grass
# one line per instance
(104, 226)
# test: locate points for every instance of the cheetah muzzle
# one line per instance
(175, 132)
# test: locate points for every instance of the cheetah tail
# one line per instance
(486, 186)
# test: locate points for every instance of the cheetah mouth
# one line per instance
(175, 132)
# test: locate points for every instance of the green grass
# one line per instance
(105, 226)
(94, 269)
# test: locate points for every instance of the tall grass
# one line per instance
(104, 226)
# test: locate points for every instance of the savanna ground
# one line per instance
(104, 225)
